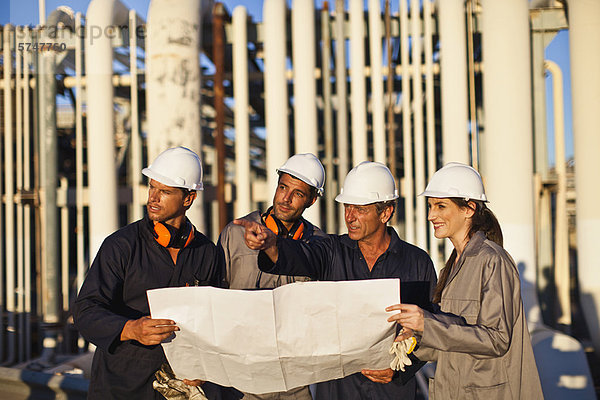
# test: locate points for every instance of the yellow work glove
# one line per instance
(402, 350)
(174, 389)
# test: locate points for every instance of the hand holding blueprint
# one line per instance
(276, 340)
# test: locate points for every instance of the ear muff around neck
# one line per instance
(169, 236)
(275, 225)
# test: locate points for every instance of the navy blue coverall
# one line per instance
(338, 258)
(129, 262)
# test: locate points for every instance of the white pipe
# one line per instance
(507, 149)
(64, 244)
(79, 157)
(136, 143)
(562, 276)
(42, 11)
(473, 128)
(242, 125)
(276, 101)
(358, 89)
(102, 179)
(407, 189)
(19, 87)
(305, 90)
(584, 40)
(453, 70)
(9, 183)
(173, 83)
(342, 105)
(27, 208)
(377, 107)
(330, 189)
(430, 118)
(417, 86)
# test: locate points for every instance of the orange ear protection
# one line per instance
(275, 225)
(169, 236)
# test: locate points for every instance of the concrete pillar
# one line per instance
(584, 37)
(507, 144)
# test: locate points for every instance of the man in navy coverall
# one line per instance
(161, 250)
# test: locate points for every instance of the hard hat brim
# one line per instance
(168, 181)
(442, 195)
(360, 201)
(302, 178)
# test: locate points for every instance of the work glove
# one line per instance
(174, 389)
(402, 350)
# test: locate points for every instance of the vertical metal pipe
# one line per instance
(173, 83)
(430, 118)
(584, 41)
(562, 275)
(102, 179)
(358, 89)
(303, 57)
(377, 107)
(27, 208)
(6, 86)
(305, 90)
(48, 204)
(20, 88)
(453, 77)
(507, 156)
(327, 116)
(9, 205)
(543, 224)
(472, 103)
(342, 105)
(19, 191)
(79, 155)
(407, 182)
(242, 204)
(417, 87)
(391, 120)
(42, 10)
(218, 34)
(276, 100)
(212, 159)
(64, 242)
(135, 164)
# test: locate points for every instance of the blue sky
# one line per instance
(25, 12)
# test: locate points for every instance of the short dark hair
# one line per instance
(382, 205)
(186, 192)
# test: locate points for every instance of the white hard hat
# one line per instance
(177, 167)
(368, 182)
(456, 180)
(307, 168)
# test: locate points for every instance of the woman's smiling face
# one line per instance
(448, 219)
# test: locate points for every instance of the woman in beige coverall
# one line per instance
(479, 336)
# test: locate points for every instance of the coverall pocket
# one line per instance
(468, 309)
(496, 392)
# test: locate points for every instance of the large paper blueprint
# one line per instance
(275, 340)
